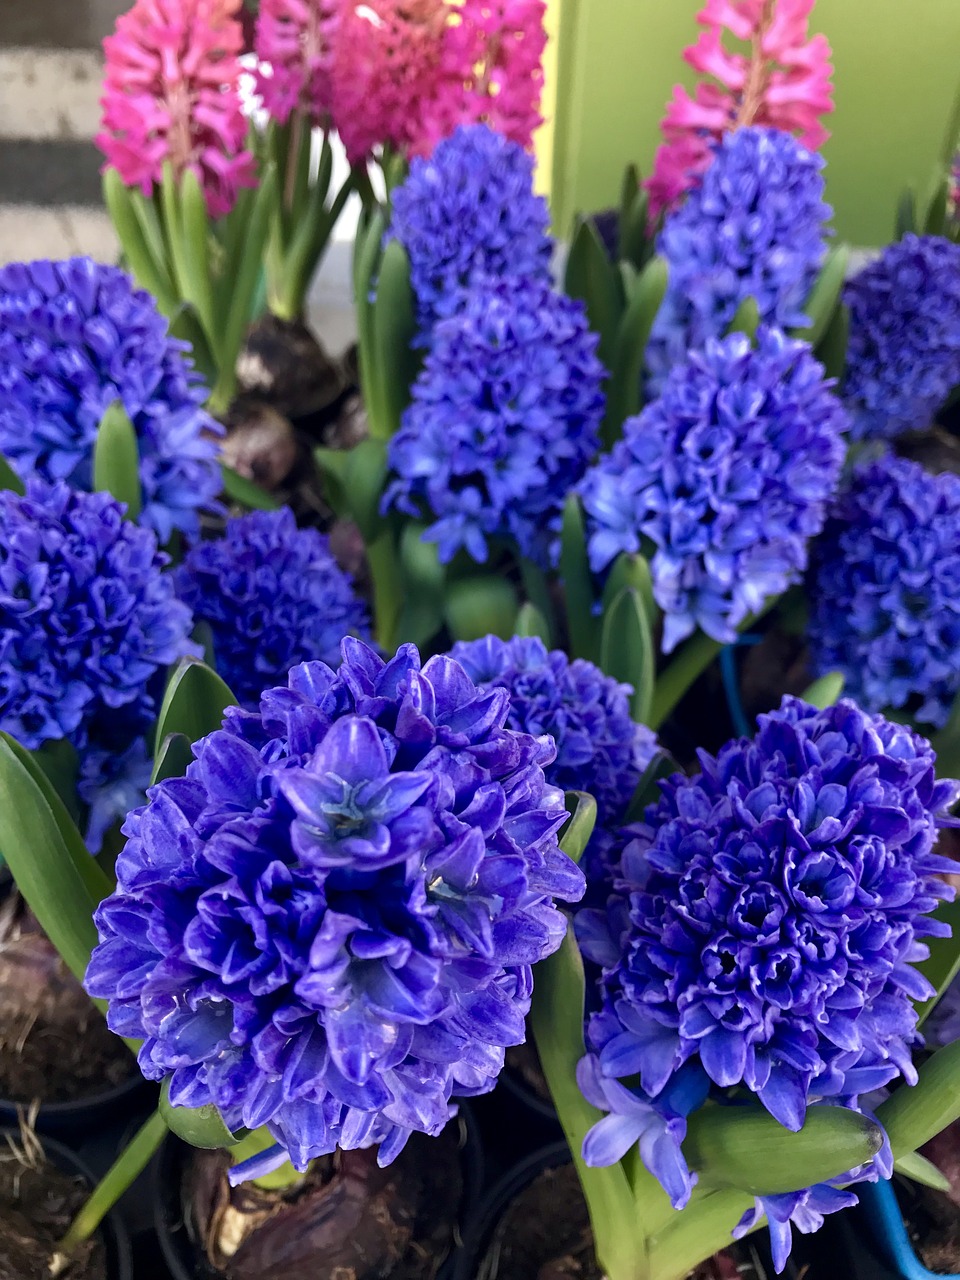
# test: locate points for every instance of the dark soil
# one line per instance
(54, 1044)
(523, 1062)
(933, 1217)
(545, 1235)
(37, 1205)
(347, 1220)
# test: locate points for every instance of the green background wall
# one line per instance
(897, 73)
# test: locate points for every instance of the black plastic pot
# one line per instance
(73, 1121)
(111, 1231)
(181, 1255)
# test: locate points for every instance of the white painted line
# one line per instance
(31, 231)
(50, 93)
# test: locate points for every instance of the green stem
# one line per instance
(537, 590)
(697, 1233)
(691, 662)
(122, 1174)
(387, 588)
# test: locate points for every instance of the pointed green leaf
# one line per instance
(626, 650)
(193, 704)
(366, 257)
(363, 485)
(9, 478)
(246, 279)
(906, 221)
(912, 1116)
(647, 790)
(199, 1126)
(920, 1169)
(479, 606)
(625, 388)
(596, 281)
(396, 359)
(185, 326)
(629, 191)
(424, 579)
(637, 243)
(531, 622)
(832, 351)
(247, 492)
(578, 829)
(173, 229)
(630, 571)
(747, 319)
(119, 201)
(746, 1149)
(116, 459)
(145, 211)
(61, 882)
(826, 691)
(824, 297)
(61, 767)
(943, 963)
(946, 743)
(939, 207)
(195, 228)
(172, 759)
(333, 463)
(582, 625)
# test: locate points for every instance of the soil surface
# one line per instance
(933, 1217)
(523, 1062)
(347, 1219)
(37, 1205)
(54, 1043)
(545, 1235)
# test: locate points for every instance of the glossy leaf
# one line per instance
(136, 250)
(578, 829)
(173, 230)
(826, 691)
(47, 858)
(746, 1149)
(938, 209)
(906, 222)
(424, 579)
(333, 464)
(193, 704)
(480, 605)
(832, 351)
(920, 1169)
(172, 759)
(648, 790)
(626, 650)
(394, 329)
(531, 622)
(582, 624)
(824, 297)
(246, 274)
(116, 459)
(9, 479)
(199, 1126)
(624, 390)
(912, 1116)
(630, 571)
(592, 278)
(195, 229)
(364, 481)
(247, 492)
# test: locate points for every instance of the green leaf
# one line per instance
(480, 605)
(116, 459)
(9, 479)
(145, 211)
(366, 256)
(333, 466)
(60, 764)
(172, 759)
(906, 220)
(832, 351)
(246, 279)
(119, 202)
(394, 320)
(946, 743)
(578, 829)
(630, 571)
(61, 882)
(556, 1020)
(363, 484)
(912, 1116)
(629, 191)
(826, 691)
(920, 1169)
(246, 492)
(744, 1148)
(199, 1126)
(626, 650)
(582, 625)
(943, 963)
(824, 297)
(531, 622)
(938, 209)
(647, 789)
(193, 704)
(173, 230)
(596, 281)
(185, 326)
(624, 390)
(747, 319)
(424, 578)
(195, 229)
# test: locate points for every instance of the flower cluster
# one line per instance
(293, 46)
(885, 590)
(171, 93)
(728, 474)
(784, 81)
(467, 211)
(777, 900)
(87, 618)
(600, 749)
(273, 597)
(903, 358)
(328, 925)
(754, 229)
(75, 337)
(504, 420)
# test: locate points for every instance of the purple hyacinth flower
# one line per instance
(328, 925)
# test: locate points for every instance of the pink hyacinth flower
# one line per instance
(294, 38)
(783, 80)
(171, 92)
